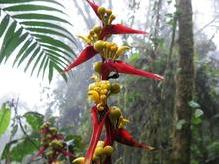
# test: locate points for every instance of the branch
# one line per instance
(22, 128)
(212, 21)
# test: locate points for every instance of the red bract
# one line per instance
(97, 129)
(114, 28)
(122, 67)
(124, 137)
(85, 55)
(120, 29)
(40, 152)
(94, 7)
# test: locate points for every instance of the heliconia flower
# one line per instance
(85, 55)
(113, 28)
(97, 129)
(122, 67)
(124, 137)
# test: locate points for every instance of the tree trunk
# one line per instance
(184, 86)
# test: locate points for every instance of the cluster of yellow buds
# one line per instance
(94, 35)
(100, 153)
(100, 90)
(117, 118)
(106, 16)
(109, 50)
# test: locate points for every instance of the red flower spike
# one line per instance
(120, 29)
(124, 137)
(122, 67)
(85, 55)
(97, 128)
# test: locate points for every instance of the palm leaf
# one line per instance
(37, 40)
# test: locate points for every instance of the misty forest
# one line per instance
(109, 82)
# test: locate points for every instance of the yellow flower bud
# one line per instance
(100, 107)
(99, 45)
(56, 144)
(109, 12)
(91, 86)
(115, 88)
(92, 33)
(97, 67)
(99, 151)
(79, 160)
(120, 51)
(97, 29)
(103, 97)
(115, 112)
(100, 143)
(111, 18)
(122, 122)
(84, 38)
(101, 10)
(103, 91)
(53, 130)
(94, 95)
(108, 150)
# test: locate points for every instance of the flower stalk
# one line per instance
(100, 152)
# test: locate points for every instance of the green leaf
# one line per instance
(179, 124)
(36, 36)
(198, 113)
(33, 23)
(6, 152)
(19, 1)
(194, 104)
(50, 71)
(4, 24)
(8, 36)
(39, 17)
(52, 41)
(196, 120)
(22, 50)
(60, 71)
(22, 149)
(50, 31)
(30, 7)
(35, 53)
(213, 150)
(14, 42)
(27, 53)
(5, 117)
(34, 119)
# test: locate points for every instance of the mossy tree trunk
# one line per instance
(184, 85)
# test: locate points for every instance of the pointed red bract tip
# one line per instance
(124, 137)
(40, 152)
(85, 55)
(94, 7)
(122, 67)
(120, 29)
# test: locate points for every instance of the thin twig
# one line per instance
(212, 21)
(21, 126)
